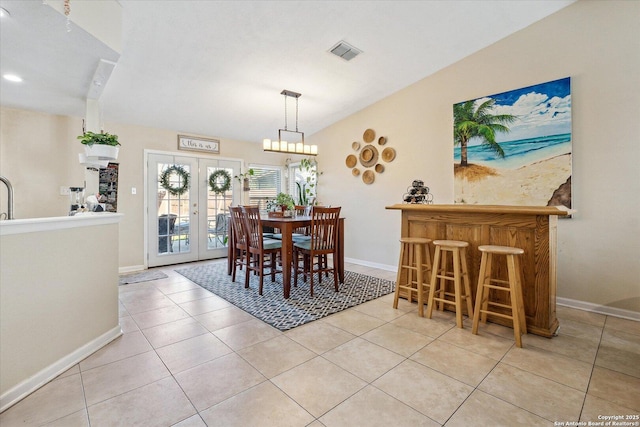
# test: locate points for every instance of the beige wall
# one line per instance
(597, 44)
(593, 42)
(39, 154)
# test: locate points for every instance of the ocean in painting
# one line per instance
(518, 153)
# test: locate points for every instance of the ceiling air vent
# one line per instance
(345, 51)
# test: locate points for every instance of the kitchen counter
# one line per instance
(531, 228)
(58, 297)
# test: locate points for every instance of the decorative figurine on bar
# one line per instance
(418, 194)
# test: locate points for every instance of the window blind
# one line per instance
(265, 184)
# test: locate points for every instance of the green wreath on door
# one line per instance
(183, 176)
(220, 181)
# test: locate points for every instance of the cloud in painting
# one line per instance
(537, 115)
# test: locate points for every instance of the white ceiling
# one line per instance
(216, 68)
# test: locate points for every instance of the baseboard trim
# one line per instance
(597, 308)
(131, 269)
(372, 264)
(31, 384)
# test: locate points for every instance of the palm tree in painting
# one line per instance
(469, 123)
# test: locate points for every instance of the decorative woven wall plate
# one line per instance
(388, 154)
(369, 135)
(368, 177)
(368, 156)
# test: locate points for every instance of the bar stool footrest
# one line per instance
(498, 304)
(494, 313)
(504, 282)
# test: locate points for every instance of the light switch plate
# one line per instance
(133, 190)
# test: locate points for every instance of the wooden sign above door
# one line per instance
(192, 143)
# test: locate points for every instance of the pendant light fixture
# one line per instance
(283, 146)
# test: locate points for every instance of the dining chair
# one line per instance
(301, 233)
(323, 242)
(259, 248)
(239, 251)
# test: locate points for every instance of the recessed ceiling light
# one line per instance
(12, 78)
(4, 13)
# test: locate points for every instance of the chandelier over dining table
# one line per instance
(283, 146)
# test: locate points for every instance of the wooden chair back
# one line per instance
(300, 211)
(324, 229)
(252, 228)
(238, 226)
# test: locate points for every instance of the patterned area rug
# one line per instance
(145, 276)
(301, 307)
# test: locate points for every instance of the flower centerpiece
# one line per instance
(285, 201)
(282, 205)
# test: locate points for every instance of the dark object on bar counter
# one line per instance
(418, 194)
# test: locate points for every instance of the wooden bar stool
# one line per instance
(514, 288)
(416, 270)
(459, 277)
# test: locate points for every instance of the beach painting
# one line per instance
(514, 148)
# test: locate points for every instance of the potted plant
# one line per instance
(243, 178)
(100, 146)
(285, 201)
(307, 187)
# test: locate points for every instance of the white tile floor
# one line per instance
(188, 358)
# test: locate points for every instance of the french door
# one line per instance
(192, 224)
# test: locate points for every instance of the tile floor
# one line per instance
(188, 358)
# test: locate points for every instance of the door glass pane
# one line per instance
(173, 214)
(218, 210)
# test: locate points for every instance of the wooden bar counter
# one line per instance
(531, 228)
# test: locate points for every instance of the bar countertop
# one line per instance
(463, 208)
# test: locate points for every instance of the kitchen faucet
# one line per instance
(9, 213)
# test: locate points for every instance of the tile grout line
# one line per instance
(593, 367)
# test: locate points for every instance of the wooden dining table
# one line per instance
(286, 225)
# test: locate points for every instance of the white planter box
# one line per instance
(101, 152)
(92, 162)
